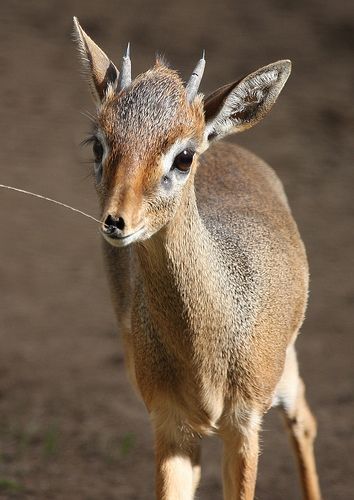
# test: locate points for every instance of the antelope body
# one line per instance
(208, 273)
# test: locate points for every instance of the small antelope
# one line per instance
(208, 272)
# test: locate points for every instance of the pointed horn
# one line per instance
(195, 79)
(125, 77)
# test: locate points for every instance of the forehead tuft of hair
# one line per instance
(161, 60)
(149, 109)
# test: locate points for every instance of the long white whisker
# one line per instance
(89, 116)
(50, 200)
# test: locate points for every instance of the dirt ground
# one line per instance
(70, 425)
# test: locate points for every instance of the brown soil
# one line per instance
(70, 424)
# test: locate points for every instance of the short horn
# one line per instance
(195, 79)
(125, 77)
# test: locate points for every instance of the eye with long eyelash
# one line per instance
(89, 140)
(183, 160)
(98, 152)
(97, 149)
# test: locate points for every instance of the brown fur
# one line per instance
(212, 295)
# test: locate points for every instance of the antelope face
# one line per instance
(146, 145)
(150, 132)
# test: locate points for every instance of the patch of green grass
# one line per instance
(51, 440)
(127, 444)
(10, 485)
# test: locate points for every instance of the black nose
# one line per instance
(112, 223)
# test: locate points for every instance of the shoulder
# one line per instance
(228, 171)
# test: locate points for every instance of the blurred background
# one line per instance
(70, 425)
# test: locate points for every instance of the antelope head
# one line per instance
(149, 133)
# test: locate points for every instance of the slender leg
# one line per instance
(196, 467)
(240, 460)
(177, 462)
(301, 424)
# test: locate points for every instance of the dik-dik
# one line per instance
(208, 273)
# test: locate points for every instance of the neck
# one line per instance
(181, 270)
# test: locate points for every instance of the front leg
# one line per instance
(240, 458)
(177, 458)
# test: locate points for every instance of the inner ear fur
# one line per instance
(98, 68)
(241, 104)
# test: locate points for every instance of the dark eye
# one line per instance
(97, 151)
(183, 160)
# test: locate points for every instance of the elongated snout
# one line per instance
(113, 225)
(119, 232)
(123, 219)
(114, 231)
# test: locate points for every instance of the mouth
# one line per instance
(122, 241)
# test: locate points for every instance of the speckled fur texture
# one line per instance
(210, 299)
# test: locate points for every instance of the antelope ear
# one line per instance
(100, 71)
(241, 104)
